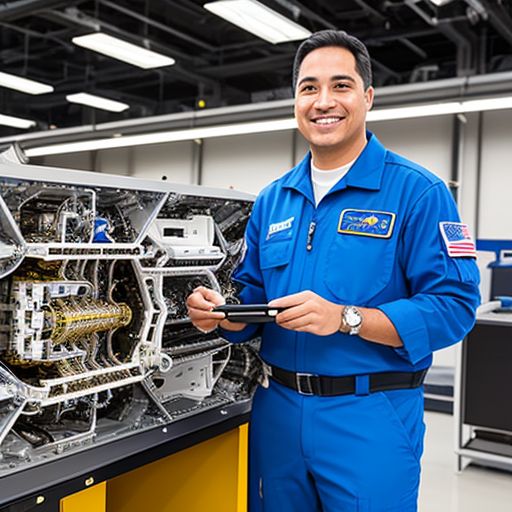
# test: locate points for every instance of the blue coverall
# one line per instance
(357, 452)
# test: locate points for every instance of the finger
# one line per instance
(200, 314)
(198, 301)
(298, 323)
(301, 327)
(290, 300)
(294, 312)
(211, 295)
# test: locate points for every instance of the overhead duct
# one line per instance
(15, 10)
(454, 89)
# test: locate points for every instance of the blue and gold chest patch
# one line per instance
(367, 223)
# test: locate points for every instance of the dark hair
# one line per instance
(339, 38)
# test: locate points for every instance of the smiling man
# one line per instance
(366, 253)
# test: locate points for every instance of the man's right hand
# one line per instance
(200, 304)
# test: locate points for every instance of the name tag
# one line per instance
(367, 223)
(278, 227)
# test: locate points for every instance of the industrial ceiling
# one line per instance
(219, 64)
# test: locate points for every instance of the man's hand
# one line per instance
(200, 304)
(308, 312)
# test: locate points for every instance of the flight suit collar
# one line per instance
(366, 172)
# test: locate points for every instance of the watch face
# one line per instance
(352, 317)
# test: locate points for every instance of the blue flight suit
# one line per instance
(356, 452)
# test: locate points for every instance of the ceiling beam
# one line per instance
(11, 11)
(160, 26)
(499, 18)
(249, 66)
(38, 35)
(456, 30)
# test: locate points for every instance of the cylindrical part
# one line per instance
(71, 320)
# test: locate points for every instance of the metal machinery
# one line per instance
(483, 411)
(95, 343)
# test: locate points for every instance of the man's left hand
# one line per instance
(308, 312)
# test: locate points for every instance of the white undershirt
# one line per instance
(323, 181)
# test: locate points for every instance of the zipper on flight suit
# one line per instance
(311, 234)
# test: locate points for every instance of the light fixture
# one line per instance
(439, 3)
(122, 50)
(92, 100)
(433, 109)
(258, 19)
(439, 109)
(169, 136)
(16, 122)
(19, 83)
(502, 103)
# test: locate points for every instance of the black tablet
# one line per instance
(249, 313)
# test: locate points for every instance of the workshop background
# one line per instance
(217, 111)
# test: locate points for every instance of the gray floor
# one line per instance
(443, 490)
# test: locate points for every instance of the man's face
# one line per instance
(330, 100)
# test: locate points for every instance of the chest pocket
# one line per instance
(275, 255)
(359, 267)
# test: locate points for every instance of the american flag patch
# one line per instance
(458, 240)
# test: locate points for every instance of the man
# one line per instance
(365, 251)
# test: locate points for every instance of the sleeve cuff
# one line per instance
(411, 328)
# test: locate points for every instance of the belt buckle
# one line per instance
(304, 390)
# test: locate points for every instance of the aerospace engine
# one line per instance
(95, 341)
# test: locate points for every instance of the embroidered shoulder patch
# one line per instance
(367, 223)
(458, 240)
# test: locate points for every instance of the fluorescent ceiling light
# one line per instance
(438, 109)
(258, 19)
(16, 122)
(122, 50)
(440, 2)
(488, 104)
(434, 109)
(91, 100)
(19, 83)
(170, 136)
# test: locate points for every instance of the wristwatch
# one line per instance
(351, 320)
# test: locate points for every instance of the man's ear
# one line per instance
(369, 94)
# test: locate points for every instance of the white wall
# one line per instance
(246, 162)
(115, 161)
(427, 141)
(174, 160)
(496, 187)
(82, 161)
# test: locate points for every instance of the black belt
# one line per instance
(320, 385)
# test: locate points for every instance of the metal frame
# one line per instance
(463, 433)
(71, 474)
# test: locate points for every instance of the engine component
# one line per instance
(95, 341)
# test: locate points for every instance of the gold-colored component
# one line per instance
(39, 270)
(89, 481)
(72, 320)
